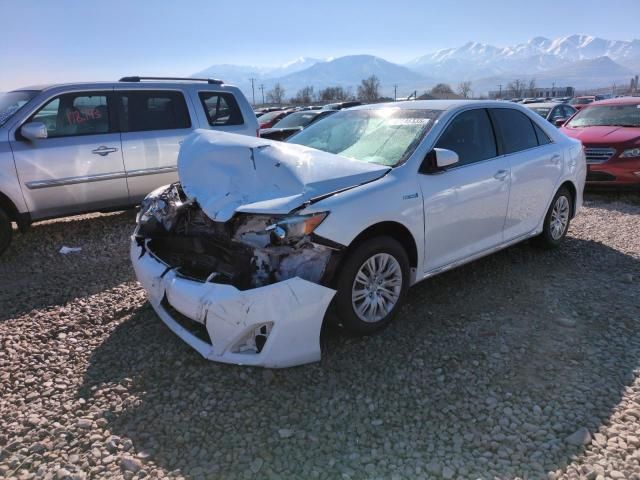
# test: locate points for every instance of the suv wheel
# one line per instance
(5, 231)
(556, 222)
(372, 285)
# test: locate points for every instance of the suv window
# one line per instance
(75, 114)
(152, 110)
(514, 129)
(221, 108)
(471, 136)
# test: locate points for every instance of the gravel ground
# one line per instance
(525, 364)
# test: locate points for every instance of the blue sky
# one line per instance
(66, 40)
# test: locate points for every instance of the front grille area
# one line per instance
(600, 177)
(598, 154)
(196, 329)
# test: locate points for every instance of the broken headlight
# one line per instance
(295, 227)
(161, 205)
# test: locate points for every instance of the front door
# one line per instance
(465, 205)
(79, 166)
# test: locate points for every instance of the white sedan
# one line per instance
(243, 258)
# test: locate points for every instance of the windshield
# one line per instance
(542, 111)
(609, 115)
(11, 102)
(299, 119)
(386, 136)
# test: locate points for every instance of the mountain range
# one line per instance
(581, 61)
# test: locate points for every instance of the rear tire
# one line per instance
(372, 284)
(557, 220)
(6, 231)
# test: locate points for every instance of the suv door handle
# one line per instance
(104, 151)
(501, 174)
(555, 159)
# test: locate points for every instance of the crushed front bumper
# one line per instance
(218, 320)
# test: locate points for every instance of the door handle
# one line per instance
(555, 159)
(104, 151)
(501, 174)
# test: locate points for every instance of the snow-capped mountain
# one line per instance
(539, 53)
(581, 61)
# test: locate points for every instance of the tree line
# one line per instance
(367, 91)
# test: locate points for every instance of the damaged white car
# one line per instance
(245, 255)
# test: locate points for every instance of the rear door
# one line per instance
(535, 163)
(153, 124)
(79, 166)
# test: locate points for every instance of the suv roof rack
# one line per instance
(212, 81)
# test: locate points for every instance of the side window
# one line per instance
(558, 112)
(221, 108)
(471, 136)
(568, 111)
(514, 129)
(151, 110)
(75, 114)
(543, 138)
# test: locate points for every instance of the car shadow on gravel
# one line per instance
(33, 274)
(486, 372)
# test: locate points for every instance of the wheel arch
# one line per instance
(395, 230)
(574, 194)
(23, 220)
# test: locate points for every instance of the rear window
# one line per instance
(151, 110)
(221, 109)
(515, 130)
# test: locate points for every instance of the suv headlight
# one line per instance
(295, 227)
(631, 153)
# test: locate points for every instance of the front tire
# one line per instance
(372, 284)
(6, 231)
(556, 222)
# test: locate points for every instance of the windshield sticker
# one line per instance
(408, 121)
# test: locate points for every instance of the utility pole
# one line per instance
(253, 91)
(262, 90)
(553, 89)
(395, 92)
(500, 94)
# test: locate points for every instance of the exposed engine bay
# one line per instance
(247, 251)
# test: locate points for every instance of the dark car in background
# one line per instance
(293, 123)
(553, 112)
(269, 119)
(610, 133)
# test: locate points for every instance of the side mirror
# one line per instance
(437, 159)
(558, 122)
(34, 131)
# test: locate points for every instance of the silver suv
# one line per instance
(75, 148)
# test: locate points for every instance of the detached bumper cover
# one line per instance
(293, 310)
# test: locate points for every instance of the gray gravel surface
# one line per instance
(525, 364)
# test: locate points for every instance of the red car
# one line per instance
(610, 133)
(269, 119)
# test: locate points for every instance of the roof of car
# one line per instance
(542, 105)
(434, 104)
(618, 101)
(84, 85)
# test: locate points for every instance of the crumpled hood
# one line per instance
(603, 134)
(227, 173)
